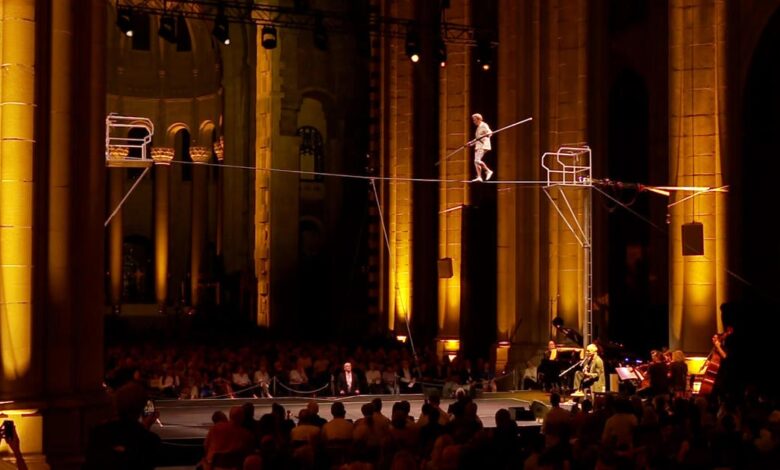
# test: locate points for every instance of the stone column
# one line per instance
(116, 189)
(454, 131)
(697, 147)
(51, 217)
(398, 159)
(520, 293)
(200, 190)
(219, 152)
(162, 157)
(263, 148)
(17, 184)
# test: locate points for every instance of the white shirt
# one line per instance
(482, 130)
(348, 376)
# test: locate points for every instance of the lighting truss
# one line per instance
(302, 19)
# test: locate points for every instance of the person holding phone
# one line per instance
(8, 432)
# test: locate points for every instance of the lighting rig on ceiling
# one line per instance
(300, 16)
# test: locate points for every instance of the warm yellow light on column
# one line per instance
(162, 157)
(697, 143)
(448, 347)
(264, 121)
(199, 155)
(115, 237)
(17, 94)
(454, 129)
(219, 152)
(569, 288)
(399, 165)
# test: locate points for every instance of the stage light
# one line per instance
(413, 46)
(124, 20)
(221, 30)
(268, 37)
(167, 29)
(441, 52)
(484, 54)
(320, 35)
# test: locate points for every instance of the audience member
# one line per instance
(125, 442)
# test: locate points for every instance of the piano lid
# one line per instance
(570, 333)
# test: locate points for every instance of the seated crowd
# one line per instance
(282, 369)
(611, 432)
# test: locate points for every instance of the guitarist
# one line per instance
(592, 374)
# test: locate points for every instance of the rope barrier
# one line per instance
(236, 392)
(299, 391)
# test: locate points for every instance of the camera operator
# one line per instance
(8, 432)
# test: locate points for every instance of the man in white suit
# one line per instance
(481, 144)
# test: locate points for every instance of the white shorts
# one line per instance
(478, 154)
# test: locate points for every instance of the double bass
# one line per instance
(712, 364)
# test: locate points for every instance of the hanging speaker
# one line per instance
(445, 268)
(693, 239)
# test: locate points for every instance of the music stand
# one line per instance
(628, 373)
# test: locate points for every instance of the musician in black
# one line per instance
(592, 374)
(678, 375)
(658, 372)
(549, 368)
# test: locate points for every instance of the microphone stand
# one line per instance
(582, 361)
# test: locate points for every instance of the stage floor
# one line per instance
(191, 419)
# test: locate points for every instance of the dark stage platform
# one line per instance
(191, 419)
(186, 422)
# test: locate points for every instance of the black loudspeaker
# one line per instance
(539, 409)
(693, 239)
(445, 268)
(521, 413)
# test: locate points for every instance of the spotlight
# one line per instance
(124, 20)
(167, 29)
(268, 37)
(441, 53)
(413, 46)
(484, 54)
(320, 35)
(221, 30)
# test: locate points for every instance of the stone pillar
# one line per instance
(454, 131)
(51, 349)
(219, 152)
(21, 195)
(264, 140)
(563, 63)
(162, 157)
(543, 74)
(116, 189)
(75, 400)
(397, 157)
(697, 147)
(17, 184)
(200, 190)
(520, 295)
